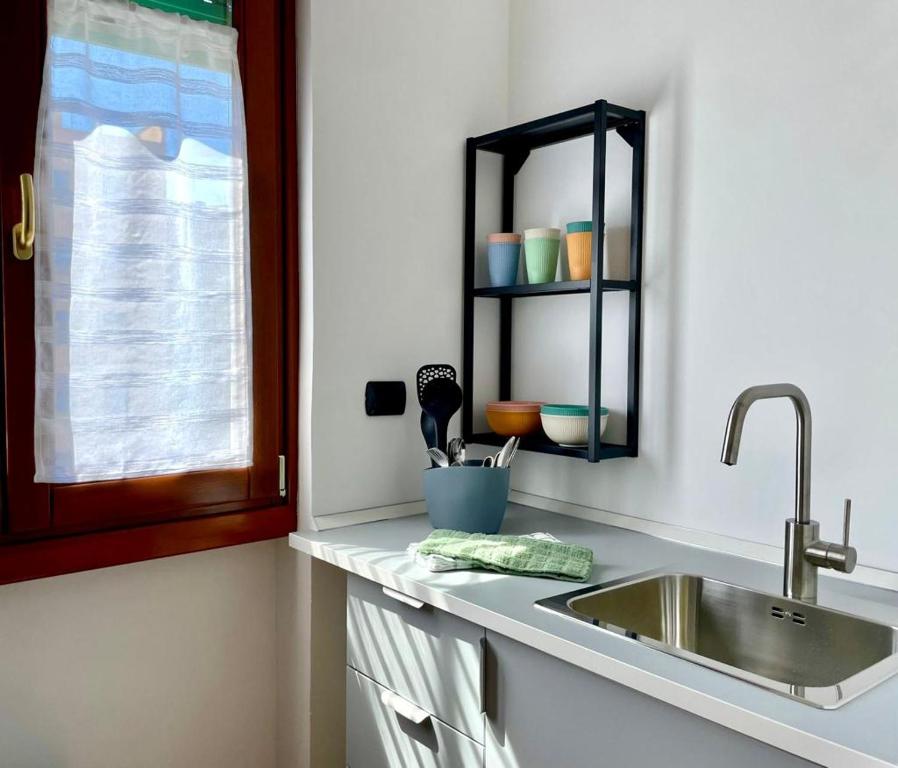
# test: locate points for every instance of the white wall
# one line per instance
(769, 242)
(170, 663)
(771, 237)
(396, 87)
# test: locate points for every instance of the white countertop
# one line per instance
(863, 732)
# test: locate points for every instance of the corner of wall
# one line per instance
(306, 244)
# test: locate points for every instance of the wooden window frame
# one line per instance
(50, 530)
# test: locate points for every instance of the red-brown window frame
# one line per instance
(47, 530)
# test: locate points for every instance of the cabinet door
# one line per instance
(545, 712)
(379, 736)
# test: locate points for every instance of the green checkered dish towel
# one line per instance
(516, 555)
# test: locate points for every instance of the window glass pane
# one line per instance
(142, 269)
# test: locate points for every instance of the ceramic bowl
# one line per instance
(513, 417)
(568, 425)
(519, 406)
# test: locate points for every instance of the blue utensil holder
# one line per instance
(470, 498)
(503, 263)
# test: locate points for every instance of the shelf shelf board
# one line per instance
(541, 444)
(563, 126)
(554, 289)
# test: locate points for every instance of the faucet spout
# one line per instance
(733, 437)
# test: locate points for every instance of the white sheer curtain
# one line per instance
(142, 306)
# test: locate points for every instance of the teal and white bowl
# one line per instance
(568, 425)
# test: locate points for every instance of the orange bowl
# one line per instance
(509, 423)
(518, 406)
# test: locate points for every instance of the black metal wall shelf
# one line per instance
(554, 289)
(515, 145)
(542, 444)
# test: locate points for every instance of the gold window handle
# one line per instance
(23, 232)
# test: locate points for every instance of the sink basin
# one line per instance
(813, 654)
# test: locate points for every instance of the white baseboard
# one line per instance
(369, 515)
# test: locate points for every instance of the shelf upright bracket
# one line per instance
(514, 160)
(595, 294)
(468, 291)
(637, 223)
(511, 164)
(631, 133)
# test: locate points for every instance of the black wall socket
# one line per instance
(385, 398)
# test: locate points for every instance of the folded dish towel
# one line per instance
(534, 555)
(435, 562)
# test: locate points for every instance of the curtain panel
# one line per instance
(142, 279)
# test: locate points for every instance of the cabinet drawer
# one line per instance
(427, 656)
(377, 736)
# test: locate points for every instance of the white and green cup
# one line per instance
(541, 253)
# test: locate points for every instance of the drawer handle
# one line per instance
(484, 650)
(412, 601)
(404, 708)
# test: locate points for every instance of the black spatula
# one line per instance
(427, 374)
(442, 399)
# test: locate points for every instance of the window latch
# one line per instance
(23, 232)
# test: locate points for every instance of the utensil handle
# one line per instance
(429, 430)
(442, 430)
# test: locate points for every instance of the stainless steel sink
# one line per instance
(813, 654)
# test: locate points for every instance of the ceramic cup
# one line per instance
(503, 237)
(541, 254)
(503, 261)
(579, 249)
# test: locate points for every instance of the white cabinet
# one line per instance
(426, 689)
(545, 712)
(414, 682)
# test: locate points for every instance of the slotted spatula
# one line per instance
(426, 374)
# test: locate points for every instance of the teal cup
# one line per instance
(469, 498)
(541, 259)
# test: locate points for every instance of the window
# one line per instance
(143, 246)
(142, 292)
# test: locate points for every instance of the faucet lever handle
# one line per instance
(846, 522)
(827, 554)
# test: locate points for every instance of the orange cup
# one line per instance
(579, 255)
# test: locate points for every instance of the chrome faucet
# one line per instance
(804, 551)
